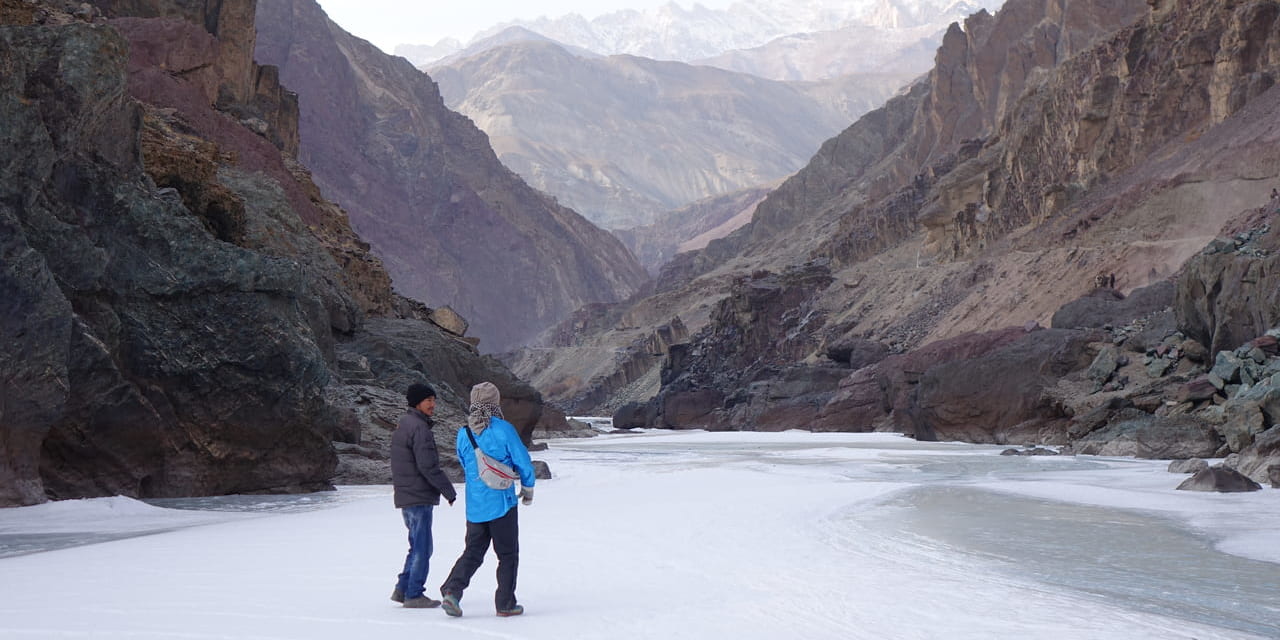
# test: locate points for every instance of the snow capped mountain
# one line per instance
(435, 51)
(899, 14)
(823, 55)
(672, 32)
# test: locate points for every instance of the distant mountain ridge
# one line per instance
(428, 52)
(821, 55)
(510, 35)
(622, 163)
(622, 139)
(671, 32)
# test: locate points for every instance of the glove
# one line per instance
(526, 496)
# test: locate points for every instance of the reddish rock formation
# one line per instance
(170, 67)
(1001, 396)
(229, 25)
(880, 396)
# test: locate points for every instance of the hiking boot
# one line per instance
(397, 595)
(421, 602)
(513, 611)
(450, 605)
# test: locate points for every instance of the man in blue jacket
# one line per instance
(491, 513)
(419, 482)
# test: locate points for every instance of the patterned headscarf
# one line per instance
(485, 403)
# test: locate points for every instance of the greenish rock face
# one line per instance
(48, 84)
(1103, 365)
(156, 359)
(1159, 367)
(1226, 367)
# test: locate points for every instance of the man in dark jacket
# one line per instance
(419, 482)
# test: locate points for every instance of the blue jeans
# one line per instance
(418, 520)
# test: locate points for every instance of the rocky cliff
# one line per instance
(143, 366)
(1056, 147)
(860, 195)
(873, 178)
(423, 187)
(184, 314)
(1046, 146)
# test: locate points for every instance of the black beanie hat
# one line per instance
(418, 392)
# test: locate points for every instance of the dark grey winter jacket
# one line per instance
(415, 463)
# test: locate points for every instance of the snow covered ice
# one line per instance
(685, 535)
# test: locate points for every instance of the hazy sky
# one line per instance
(387, 23)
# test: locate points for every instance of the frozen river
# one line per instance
(1132, 553)
(687, 535)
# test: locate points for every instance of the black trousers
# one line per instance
(504, 534)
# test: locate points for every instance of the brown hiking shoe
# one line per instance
(397, 595)
(421, 602)
(513, 611)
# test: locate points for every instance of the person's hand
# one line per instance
(526, 496)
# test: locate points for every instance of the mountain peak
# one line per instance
(673, 32)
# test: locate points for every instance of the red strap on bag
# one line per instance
(498, 468)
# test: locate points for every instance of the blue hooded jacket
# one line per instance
(501, 442)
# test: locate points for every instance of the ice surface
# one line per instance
(690, 535)
(1145, 561)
